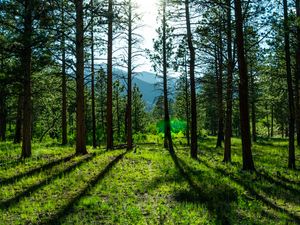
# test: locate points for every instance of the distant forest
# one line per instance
(236, 66)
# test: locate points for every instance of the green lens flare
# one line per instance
(176, 126)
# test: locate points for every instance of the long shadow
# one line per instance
(64, 211)
(252, 191)
(14, 200)
(15, 178)
(280, 183)
(286, 180)
(10, 162)
(262, 174)
(218, 201)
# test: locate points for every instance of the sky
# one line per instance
(149, 9)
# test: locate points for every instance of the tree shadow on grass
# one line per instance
(11, 162)
(14, 200)
(246, 184)
(217, 199)
(65, 210)
(280, 180)
(32, 171)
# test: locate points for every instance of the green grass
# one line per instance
(148, 186)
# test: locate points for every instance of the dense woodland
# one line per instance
(229, 76)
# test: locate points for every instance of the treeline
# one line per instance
(238, 64)
(49, 80)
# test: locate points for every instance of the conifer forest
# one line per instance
(150, 112)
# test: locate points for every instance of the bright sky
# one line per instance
(149, 10)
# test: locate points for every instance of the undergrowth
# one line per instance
(148, 186)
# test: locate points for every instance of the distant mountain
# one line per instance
(148, 77)
(146, 81)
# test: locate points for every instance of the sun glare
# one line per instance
(149, 11)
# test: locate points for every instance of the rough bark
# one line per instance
(168, 136)
(63, 85)
(253, 107)
(194, 143)
(26, 61)
(291, 161)
(3, 116)
(80, 113)
(187, 103)
(272, 120)
(109, 114)
(220, 138)
(19, 119)
(228, 119)
(248, 163)
(93, 79)
(297, 78)
(118, 113)
(129, 83)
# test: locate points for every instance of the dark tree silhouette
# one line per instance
(291, 163)
(80, 117)
(248, 163)
(194, 139)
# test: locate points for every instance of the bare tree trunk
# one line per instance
(187, 103)
(118, 114)
(298, 75)
(18, 131)
(292, 163)
(3, 110)
(93, 77)
(220, 92)
(253, 108)
(102, 105)
(168, 136)
(64, 83)
(109, 116)
(228, 120)
(80, 114)
(129, 82)
(3, 115)
(26, 61)
(248, 163)
(272, 120)
(194, 143)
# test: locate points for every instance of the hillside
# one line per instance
(148, 83)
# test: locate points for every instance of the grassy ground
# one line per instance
(148, 186)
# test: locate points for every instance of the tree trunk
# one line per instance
(220, 92)
(228, 120)
(129, 83)
(93, 78)
(253, 108)
(64, 83)
(248, 163)
(26, 61)
(297, 79)
(18, 131)
(168, 136)
(80, 117)
(187, 103)
(272, 120)
(109, 115)
(3, 115)
(194, 143)
(118, 114)
(291, 163)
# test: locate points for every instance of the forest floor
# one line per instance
(148, 186)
